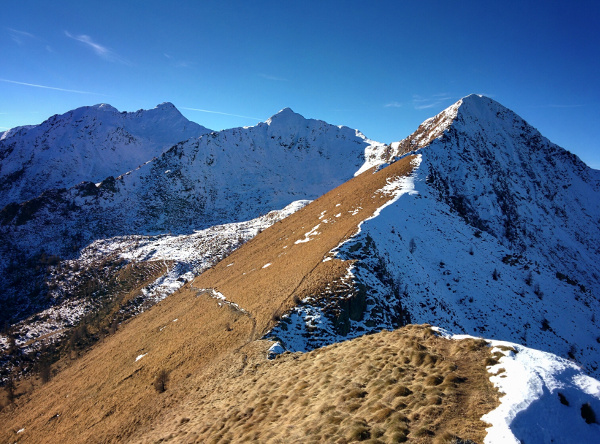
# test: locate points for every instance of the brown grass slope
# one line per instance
(383, 388)
(108, 396)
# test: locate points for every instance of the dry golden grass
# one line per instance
(297, 269)
(221, 388)
(341, 393)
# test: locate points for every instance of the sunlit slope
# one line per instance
(388, 387)
(107, 395)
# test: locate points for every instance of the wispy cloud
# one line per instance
(275, 78)
(178, 63)
(19, 36)
(393, 105)
(100, 50)
(219, 112)
(50, 87)
(420, 102)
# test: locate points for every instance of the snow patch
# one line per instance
(309, 236)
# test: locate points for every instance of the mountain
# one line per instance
(223, 177)
(496, 234)
(227, 176)
(86, 144)
(474, 224)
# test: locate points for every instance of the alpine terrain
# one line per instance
(89, 143)
(295, 281)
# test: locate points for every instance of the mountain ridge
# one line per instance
(475, 223)
(88, 143)
(486, 243)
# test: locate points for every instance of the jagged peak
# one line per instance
(165, 105)
(468, 113)
(102, 107)
(285, 115)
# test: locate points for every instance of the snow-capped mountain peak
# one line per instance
(88, 143)
(285, 117)
(499, 238)
(165, 105)
(104, 107)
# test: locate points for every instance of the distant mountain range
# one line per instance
(475, 224)
(86, 144)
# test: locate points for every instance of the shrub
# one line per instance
(434, 380)
(44, 369)
(412, 245)
(545, 324)
(160, 382)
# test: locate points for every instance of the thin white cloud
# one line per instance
(393, 105)
(18, 36)
(275, 78)
(420, 102)
(177, 63)
(219, 112)
(426, 106)
(99, 49)
(50, 87)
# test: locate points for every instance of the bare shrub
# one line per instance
(160, 382)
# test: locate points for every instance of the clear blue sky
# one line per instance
(381, 66)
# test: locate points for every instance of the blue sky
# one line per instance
(381, 67)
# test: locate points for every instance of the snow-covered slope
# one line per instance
(183, 256)
(499, 237)
(544, 398)
(222, 177)
(88, 143)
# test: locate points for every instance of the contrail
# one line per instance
(50, 87)
(219, 112)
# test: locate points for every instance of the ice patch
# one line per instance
(140, 356)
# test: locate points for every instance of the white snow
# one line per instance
(310, 235)
(537, 289)
(140, 356)
(191, 254)
(266, 265)
(87, 144)
(535, 387)
(220, 297)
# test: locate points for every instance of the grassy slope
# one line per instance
(108, 396)
(388, 387)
